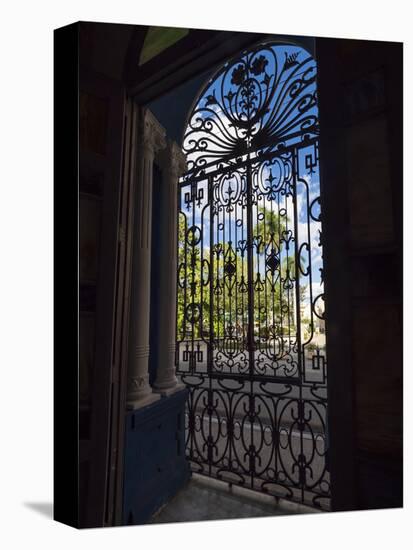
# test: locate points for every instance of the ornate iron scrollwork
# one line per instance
(265, 98)
(250, 321)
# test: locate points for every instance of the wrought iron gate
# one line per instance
(250, 321)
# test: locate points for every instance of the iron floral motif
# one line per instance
(263, 99)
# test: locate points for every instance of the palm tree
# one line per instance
(273, 235)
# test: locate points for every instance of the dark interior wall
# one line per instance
(104, 47)
(360, 95)
(101, 120)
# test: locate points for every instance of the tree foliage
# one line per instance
(274, 290)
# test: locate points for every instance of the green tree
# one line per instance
(192, 294)
(274, 293)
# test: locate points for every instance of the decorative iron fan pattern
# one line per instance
(263, 99)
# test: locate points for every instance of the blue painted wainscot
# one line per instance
(155, 465)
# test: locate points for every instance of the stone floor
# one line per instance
(208, 499)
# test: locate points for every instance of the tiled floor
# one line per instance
(207, 499)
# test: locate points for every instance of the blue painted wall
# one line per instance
(155, 466)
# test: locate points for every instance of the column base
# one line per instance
(169, 391)
(142, 402)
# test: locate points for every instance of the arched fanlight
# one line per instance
(263, 99)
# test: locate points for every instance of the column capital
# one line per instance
(153, 134)
(173, 160)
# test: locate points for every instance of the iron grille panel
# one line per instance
(250, 316)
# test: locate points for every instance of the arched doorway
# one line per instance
(250, 316)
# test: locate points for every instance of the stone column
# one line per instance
(173, 165)
(150, 140)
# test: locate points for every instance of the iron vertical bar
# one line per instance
(211, 305)
(298, 323)
(250, 271)
(251, 341)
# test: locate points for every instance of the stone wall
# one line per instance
(361, 90)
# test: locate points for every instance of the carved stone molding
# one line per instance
(137, 383)
(173, 161)
(139, 392)
(151, 139)
(141, 351)
(152, 134)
